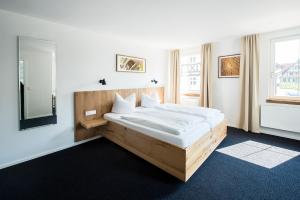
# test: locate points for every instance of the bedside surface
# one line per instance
(93, 123)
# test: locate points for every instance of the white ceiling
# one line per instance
(165, 23)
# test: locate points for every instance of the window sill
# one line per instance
(284, 100)
(190, 94)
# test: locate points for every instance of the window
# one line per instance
(190, 75)
(286, 67)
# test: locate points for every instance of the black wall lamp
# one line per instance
(154, 81)
(102, 81)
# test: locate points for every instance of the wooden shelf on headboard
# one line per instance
(88, 124)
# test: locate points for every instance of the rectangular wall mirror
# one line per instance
(37, 69)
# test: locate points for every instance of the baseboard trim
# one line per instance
(276, 133)
(9, 164)
(281, 133)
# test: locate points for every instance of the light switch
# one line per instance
(90, 112)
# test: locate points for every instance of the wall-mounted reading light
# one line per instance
(154, 81)
(102, 81)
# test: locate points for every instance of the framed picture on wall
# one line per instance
(130, 64)
(229, 66)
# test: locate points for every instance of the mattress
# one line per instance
(182, 140)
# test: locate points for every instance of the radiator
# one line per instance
(282, 117)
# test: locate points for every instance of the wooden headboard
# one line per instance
(102, 102)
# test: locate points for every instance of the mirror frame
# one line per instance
(39, 121)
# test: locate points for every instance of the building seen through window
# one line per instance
(286, 76)
(190, 75)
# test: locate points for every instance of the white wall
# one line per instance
(226, 91)
(82, 59)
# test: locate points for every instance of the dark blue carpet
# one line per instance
(103, 170)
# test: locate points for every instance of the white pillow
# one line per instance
(150, 101)
(155, 96)
(124, 106)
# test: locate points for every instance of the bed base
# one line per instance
(181, 163)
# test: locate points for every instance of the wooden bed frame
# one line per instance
(179, 162)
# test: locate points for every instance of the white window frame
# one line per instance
(272, 81)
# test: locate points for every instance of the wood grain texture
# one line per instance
(197, 153)
(179, 162)
(93, 123)
(161, 154)
(284, 100)
(102, 102)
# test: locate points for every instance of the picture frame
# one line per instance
(229, 66)
(132, 64)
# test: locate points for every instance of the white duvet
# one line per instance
(211, 116)
(191, 110)
(171, 122)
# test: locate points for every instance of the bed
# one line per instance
(179, 155)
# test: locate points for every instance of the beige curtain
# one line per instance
(175, 76)
(249, 116)
(205, 76)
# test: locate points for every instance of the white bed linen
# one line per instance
(182, 140)
(171, 122)
(212, 116)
